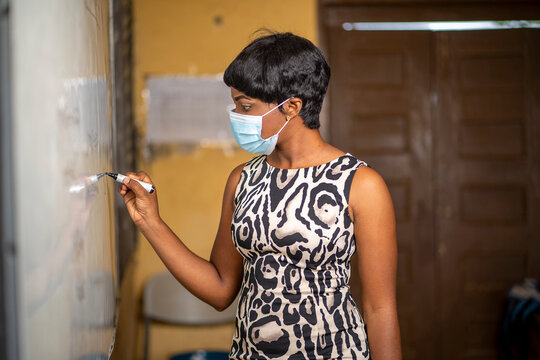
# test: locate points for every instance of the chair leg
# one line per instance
(146, 337)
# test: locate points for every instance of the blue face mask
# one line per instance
(247, 132)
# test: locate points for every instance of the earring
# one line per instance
(288, 117)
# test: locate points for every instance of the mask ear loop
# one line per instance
(269, 111)
(286, 122)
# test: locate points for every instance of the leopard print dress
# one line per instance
(293, 230)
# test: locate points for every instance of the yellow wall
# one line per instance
(191, 37)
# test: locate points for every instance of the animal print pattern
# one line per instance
(293, 230)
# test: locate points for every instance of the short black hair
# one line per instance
(275, 67)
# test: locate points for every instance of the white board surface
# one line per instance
(66, 258)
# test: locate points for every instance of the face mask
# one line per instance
(247, 132)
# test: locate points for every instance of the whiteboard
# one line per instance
(64, 214)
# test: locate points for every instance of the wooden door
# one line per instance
(380, 111)
(451, 120)
(486, 146)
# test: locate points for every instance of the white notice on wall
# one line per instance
(188, 110)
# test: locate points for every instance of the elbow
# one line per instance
(219, 306)
(387, 306)
(388, 311)
(224, 303)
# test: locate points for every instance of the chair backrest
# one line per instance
(166, 300)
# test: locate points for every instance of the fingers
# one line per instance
(140, 203)
(134, 186)
(141, 175)
(123, 189)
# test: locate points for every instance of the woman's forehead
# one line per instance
(237, 95)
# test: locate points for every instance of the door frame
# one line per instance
(9, 349)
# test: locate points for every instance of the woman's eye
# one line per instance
(246, 107)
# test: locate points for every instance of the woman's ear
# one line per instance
(294, 105)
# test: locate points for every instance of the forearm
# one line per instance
(383, 334)
(196, 274)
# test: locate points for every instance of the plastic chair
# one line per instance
(166, 300)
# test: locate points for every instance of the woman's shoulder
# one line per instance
(354, 161)
(368, 192)
(364, 176)
(341, 156)
(344, 160)
(236, 173)
(253, 162)
(366, 181)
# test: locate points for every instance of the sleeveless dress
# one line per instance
(293, 230)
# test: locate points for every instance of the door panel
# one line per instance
(451, 120)
(380, 113)
(485, 194)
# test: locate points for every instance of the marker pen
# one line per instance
(120, 178)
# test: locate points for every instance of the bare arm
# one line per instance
(216, 281)
(374, 228)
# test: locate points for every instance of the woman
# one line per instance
(291, 219)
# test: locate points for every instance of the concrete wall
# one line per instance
(193, 38)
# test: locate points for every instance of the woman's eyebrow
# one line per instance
(236, 98)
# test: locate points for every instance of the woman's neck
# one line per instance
(302, 147)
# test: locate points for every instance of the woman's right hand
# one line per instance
(142, 206)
